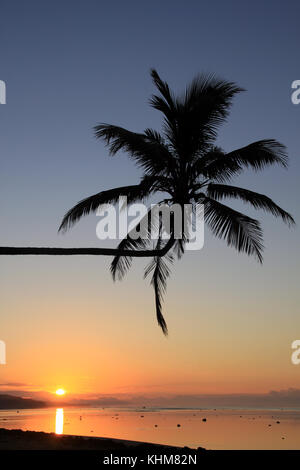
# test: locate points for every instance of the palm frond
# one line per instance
(201, 110)
(150, 153)
(154, 136)
(213, 93)
(191, 121)
(260, 154)
(240, 231)
(166, 104)
(259, 201)
(111, 196)
(120, 264)
(214, 165)
(256, 155)
(163, 88)
(179, 248)
(161, 272)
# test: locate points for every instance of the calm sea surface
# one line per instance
(223, 429)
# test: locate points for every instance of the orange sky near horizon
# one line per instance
(70, 326)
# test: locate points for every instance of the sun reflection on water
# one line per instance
(59, 421)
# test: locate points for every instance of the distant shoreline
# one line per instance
(12, 402)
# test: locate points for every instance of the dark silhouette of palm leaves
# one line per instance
(91, 204)
(161, 271)
(184, 163)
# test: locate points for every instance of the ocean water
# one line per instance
(223, 428)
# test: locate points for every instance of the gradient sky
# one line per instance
(70, 65)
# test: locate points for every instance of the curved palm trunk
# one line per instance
(8, 250)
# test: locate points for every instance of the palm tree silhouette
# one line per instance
(184, 163)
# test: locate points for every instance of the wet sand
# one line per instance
(17, 439)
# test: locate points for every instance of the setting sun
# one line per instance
(60, 391)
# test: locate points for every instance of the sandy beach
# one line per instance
(17, 439)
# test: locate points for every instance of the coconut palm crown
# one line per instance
(184, 163)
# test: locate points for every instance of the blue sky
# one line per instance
(70, 65)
